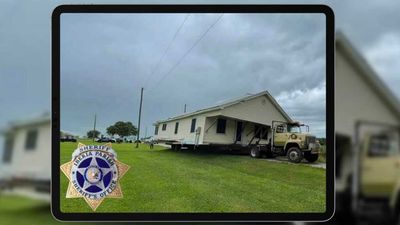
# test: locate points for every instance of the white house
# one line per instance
(234, 122)
(26, 160)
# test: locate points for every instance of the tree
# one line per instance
(112, 130)
(124, 129)
(93, 134)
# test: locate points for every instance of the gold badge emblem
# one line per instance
(94, 173)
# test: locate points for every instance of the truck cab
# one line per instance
(379, 176)
(368, 182)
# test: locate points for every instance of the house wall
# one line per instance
(184, 135)
(258, 110)
(35, 163)
(211, 135)
(355, 99)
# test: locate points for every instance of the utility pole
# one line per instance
(145, 133)
(94, 127)
(140, 114)
(184, 109)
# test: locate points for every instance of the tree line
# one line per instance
(122, 129)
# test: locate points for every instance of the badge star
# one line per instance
(66, 168)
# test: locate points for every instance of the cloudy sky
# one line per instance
(25, 47)
(106, 58)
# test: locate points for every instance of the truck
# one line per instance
(368, 174)
(290, 139)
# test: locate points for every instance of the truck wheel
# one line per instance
(295, 155)
(255, 153)
(311, 157)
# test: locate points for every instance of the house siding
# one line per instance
(258, 110)
(211, 135)
(356, 100)
(184, 134)
(34, 164)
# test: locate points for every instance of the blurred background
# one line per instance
(367, 114)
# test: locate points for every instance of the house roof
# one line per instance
(228, 104)
(366, 71)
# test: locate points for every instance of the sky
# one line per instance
(106, 59)
(25, 49)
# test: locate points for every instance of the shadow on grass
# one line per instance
(212, 153)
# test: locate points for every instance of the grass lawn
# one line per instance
(322, 155)
(16, 210)
(163, 180)
(21, 211)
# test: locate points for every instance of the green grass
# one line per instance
(17, 210)
(23, 211)
(162, 180)
(322, 155)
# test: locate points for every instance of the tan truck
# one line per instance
(291, 139)
(368, 174)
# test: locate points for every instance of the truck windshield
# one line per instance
(294, 129)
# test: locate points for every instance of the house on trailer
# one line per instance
(26, 162)
(239, 122)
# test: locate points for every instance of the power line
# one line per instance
(187, 52)
(166, 50)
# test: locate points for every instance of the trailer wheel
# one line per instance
(255, 152)
(295, 155)
(311, 157)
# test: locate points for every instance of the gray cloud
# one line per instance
(107, 58)
(25, 66)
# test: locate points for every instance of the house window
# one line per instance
(156, 130)
(193, 126)
(176, 127)
(8, 146)
(261, 131)
(31, 139)
(221, 126)
(164, 126)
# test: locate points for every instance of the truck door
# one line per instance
(280, 135)
(380, 164)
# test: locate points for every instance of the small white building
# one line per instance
(26, 161)
(233, 122)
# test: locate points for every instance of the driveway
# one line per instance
(304, 162)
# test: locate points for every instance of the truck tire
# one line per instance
(295, 155)
(255, 152)
(311, 157)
